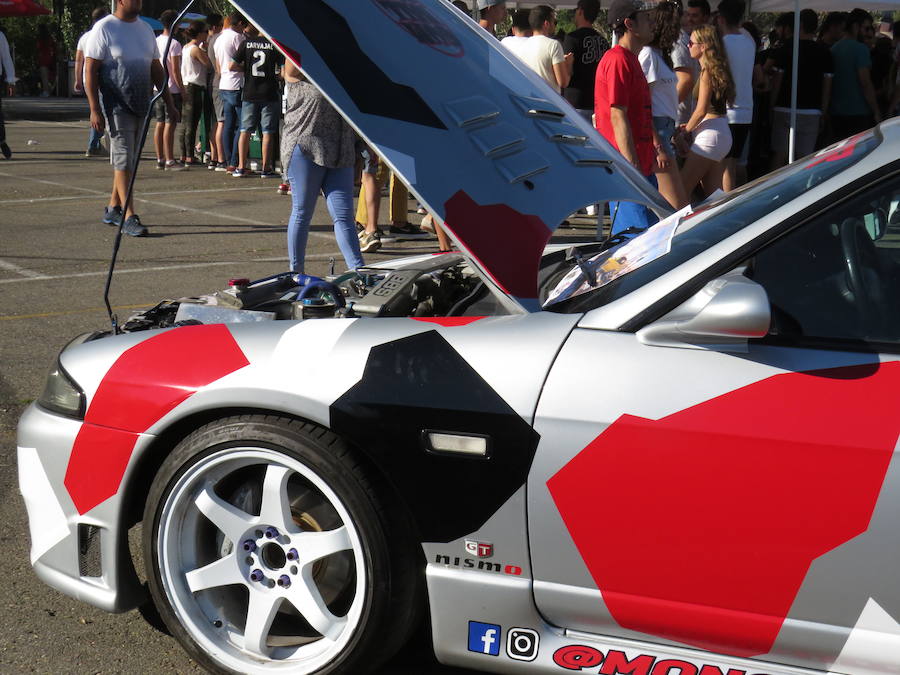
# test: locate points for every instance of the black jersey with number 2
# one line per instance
(259, 58)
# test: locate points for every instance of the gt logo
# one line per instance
(484, 638)
(479, 549)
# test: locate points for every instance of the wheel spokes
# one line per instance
(261, 610)
(222, 572)
(315, 545)
(304, 595)
(229, 519)
(275, 508)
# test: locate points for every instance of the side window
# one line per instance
(837, 277)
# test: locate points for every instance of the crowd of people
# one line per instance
(223, 74)
(694, 99)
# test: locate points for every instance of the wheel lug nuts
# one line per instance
(292, 554)
(284, 581)
(271, 532)
(257, 575)
(249, 545)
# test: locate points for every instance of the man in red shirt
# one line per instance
(622, 104)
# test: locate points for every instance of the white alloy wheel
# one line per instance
(263, 553)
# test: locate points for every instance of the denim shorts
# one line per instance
(265, 115)
(370, 161)
(665, 129)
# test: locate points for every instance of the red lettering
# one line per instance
(666, 667)
(715, 670)
(515, 570)
(577, 657)
(617, 663)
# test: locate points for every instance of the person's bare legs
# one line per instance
(158, 140)
(373, 200)
(220, 153)
(671, 185)
(243, 149)
(268, 143)
(713, 179)
(169, 139)
(694, 169)
(120, 191)
(732, 175)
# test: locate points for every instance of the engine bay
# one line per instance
(440, 285)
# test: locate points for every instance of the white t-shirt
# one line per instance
(741, 51)
(225, 48)
(126, 49)
(541, 53)
(82, 41)
(193, 70)
(174, 50)
(662, 81)
(515, 44)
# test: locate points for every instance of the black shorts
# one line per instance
(160, 112)
(739, 133)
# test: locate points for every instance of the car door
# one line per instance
(743, 502)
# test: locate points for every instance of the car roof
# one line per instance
(491, 150)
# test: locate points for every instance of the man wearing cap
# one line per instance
(491, 12)
(622, 104)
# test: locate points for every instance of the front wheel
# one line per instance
(270, 549)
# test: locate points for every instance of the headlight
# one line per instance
(61, 395)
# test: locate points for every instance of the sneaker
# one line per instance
(112, 214)
(239, 173)
(221, 167)
(212, 165)
(407, 231)
(268, 174)
(175, 165)
(133, 228)
(369, 243)
(160, 164)
(284, 189)
(230, 169)
(360, 228)
(362, 233)
(7, 153)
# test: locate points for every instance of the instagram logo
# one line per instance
(522, 644)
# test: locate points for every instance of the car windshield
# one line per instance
(614, 272)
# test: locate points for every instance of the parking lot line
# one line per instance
(33, 200)
(27, 273)
(160, 268)
(68, 312)
(178, 207)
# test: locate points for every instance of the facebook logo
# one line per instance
(484, 638)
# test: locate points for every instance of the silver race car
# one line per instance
(670, 453)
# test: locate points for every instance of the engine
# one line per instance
(442, 285)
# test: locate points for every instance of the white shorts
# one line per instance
(712, 139)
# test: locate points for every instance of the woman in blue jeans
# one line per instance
(321, 148)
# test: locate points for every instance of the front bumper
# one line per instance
(85, 556)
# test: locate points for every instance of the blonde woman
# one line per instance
(707, 129)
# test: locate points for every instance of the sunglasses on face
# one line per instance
(691, 43)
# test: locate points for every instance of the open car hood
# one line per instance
(492, 151)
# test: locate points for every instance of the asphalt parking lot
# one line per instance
(205, 228)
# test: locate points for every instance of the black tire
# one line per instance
(234, 455)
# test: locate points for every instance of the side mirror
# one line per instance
(724, 314)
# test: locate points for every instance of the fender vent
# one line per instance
(89, 558)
